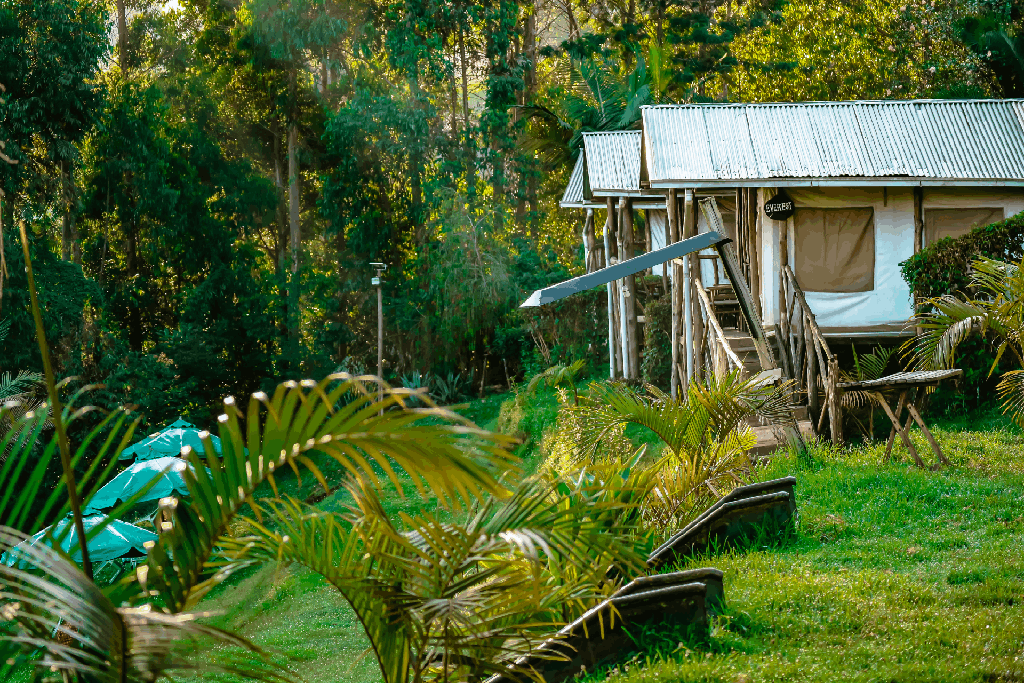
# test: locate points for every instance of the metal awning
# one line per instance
(624, 269)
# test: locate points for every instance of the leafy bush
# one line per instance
(945, 268)
(656, 359)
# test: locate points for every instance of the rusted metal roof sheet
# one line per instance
(917, 142)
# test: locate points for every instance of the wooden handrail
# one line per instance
(716, 326)
(807, 311)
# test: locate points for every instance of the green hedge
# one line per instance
(944, 267)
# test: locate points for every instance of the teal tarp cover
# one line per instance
(167, 471)
(118, 540)
(168, 441)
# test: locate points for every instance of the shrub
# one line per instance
(946, 268)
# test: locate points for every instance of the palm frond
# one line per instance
(57, 619)
(449, 458)
(1011, 391)
(945, 328)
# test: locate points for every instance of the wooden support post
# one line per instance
(689, 230)
(699, 329)
(813, 407)
(919, 238)
(677, 290)
(614, 364)
(835, 406)
(590, 240)
(631, 347)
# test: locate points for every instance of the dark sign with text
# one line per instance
(780, 207)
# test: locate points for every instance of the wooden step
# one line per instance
(771, 439)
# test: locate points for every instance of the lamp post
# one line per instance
(376, 281)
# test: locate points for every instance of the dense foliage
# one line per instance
(205, 195)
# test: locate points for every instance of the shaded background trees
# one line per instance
(206, 187)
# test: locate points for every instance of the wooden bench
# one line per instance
(904, 383)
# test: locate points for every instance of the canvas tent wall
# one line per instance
(871, 181)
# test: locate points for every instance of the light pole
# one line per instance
(376, 281)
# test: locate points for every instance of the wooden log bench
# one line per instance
(602, 634)
(903, 384)
(745, 511)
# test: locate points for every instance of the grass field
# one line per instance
(896, 574)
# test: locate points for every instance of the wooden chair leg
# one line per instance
(928, 435)
(899, 414)
(899, 428)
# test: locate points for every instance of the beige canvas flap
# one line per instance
(835, 249)
(939, 223)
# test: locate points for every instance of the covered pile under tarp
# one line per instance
(168, 473)
(117, 541)
(169, 441)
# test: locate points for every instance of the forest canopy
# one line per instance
(206, 183)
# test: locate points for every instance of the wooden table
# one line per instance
(904, 383)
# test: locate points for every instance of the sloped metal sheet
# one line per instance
(613, 161)
(572, 198)
(946, 141)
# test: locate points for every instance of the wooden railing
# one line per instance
(720, 354)
(805, 356)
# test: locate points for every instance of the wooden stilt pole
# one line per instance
(612, 336)
(677, 290)
(689, 230)
(612, 248)
(631, 348)
(590, 240)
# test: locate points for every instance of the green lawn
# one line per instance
(896, 574)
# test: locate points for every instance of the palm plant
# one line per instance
(599, 96)
(996, 313)
(866, 367)
(704, 433)
(558, 376)
(443, 600)
(20, 392)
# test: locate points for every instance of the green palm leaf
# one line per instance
(452, 460)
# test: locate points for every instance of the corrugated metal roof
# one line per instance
(926, 142)
(613, 162)
(572, 198)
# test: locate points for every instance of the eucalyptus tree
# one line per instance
(293, 32)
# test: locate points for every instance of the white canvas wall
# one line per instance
(890, 301)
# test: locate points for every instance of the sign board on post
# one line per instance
(780, 207)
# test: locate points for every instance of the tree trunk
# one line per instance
(467, 143)
(132, 263)
(294, 228)
(70, 249)
(122, 37)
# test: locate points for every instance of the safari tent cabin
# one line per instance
(871, 183)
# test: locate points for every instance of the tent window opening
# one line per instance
(939, 223)
(835, 249)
